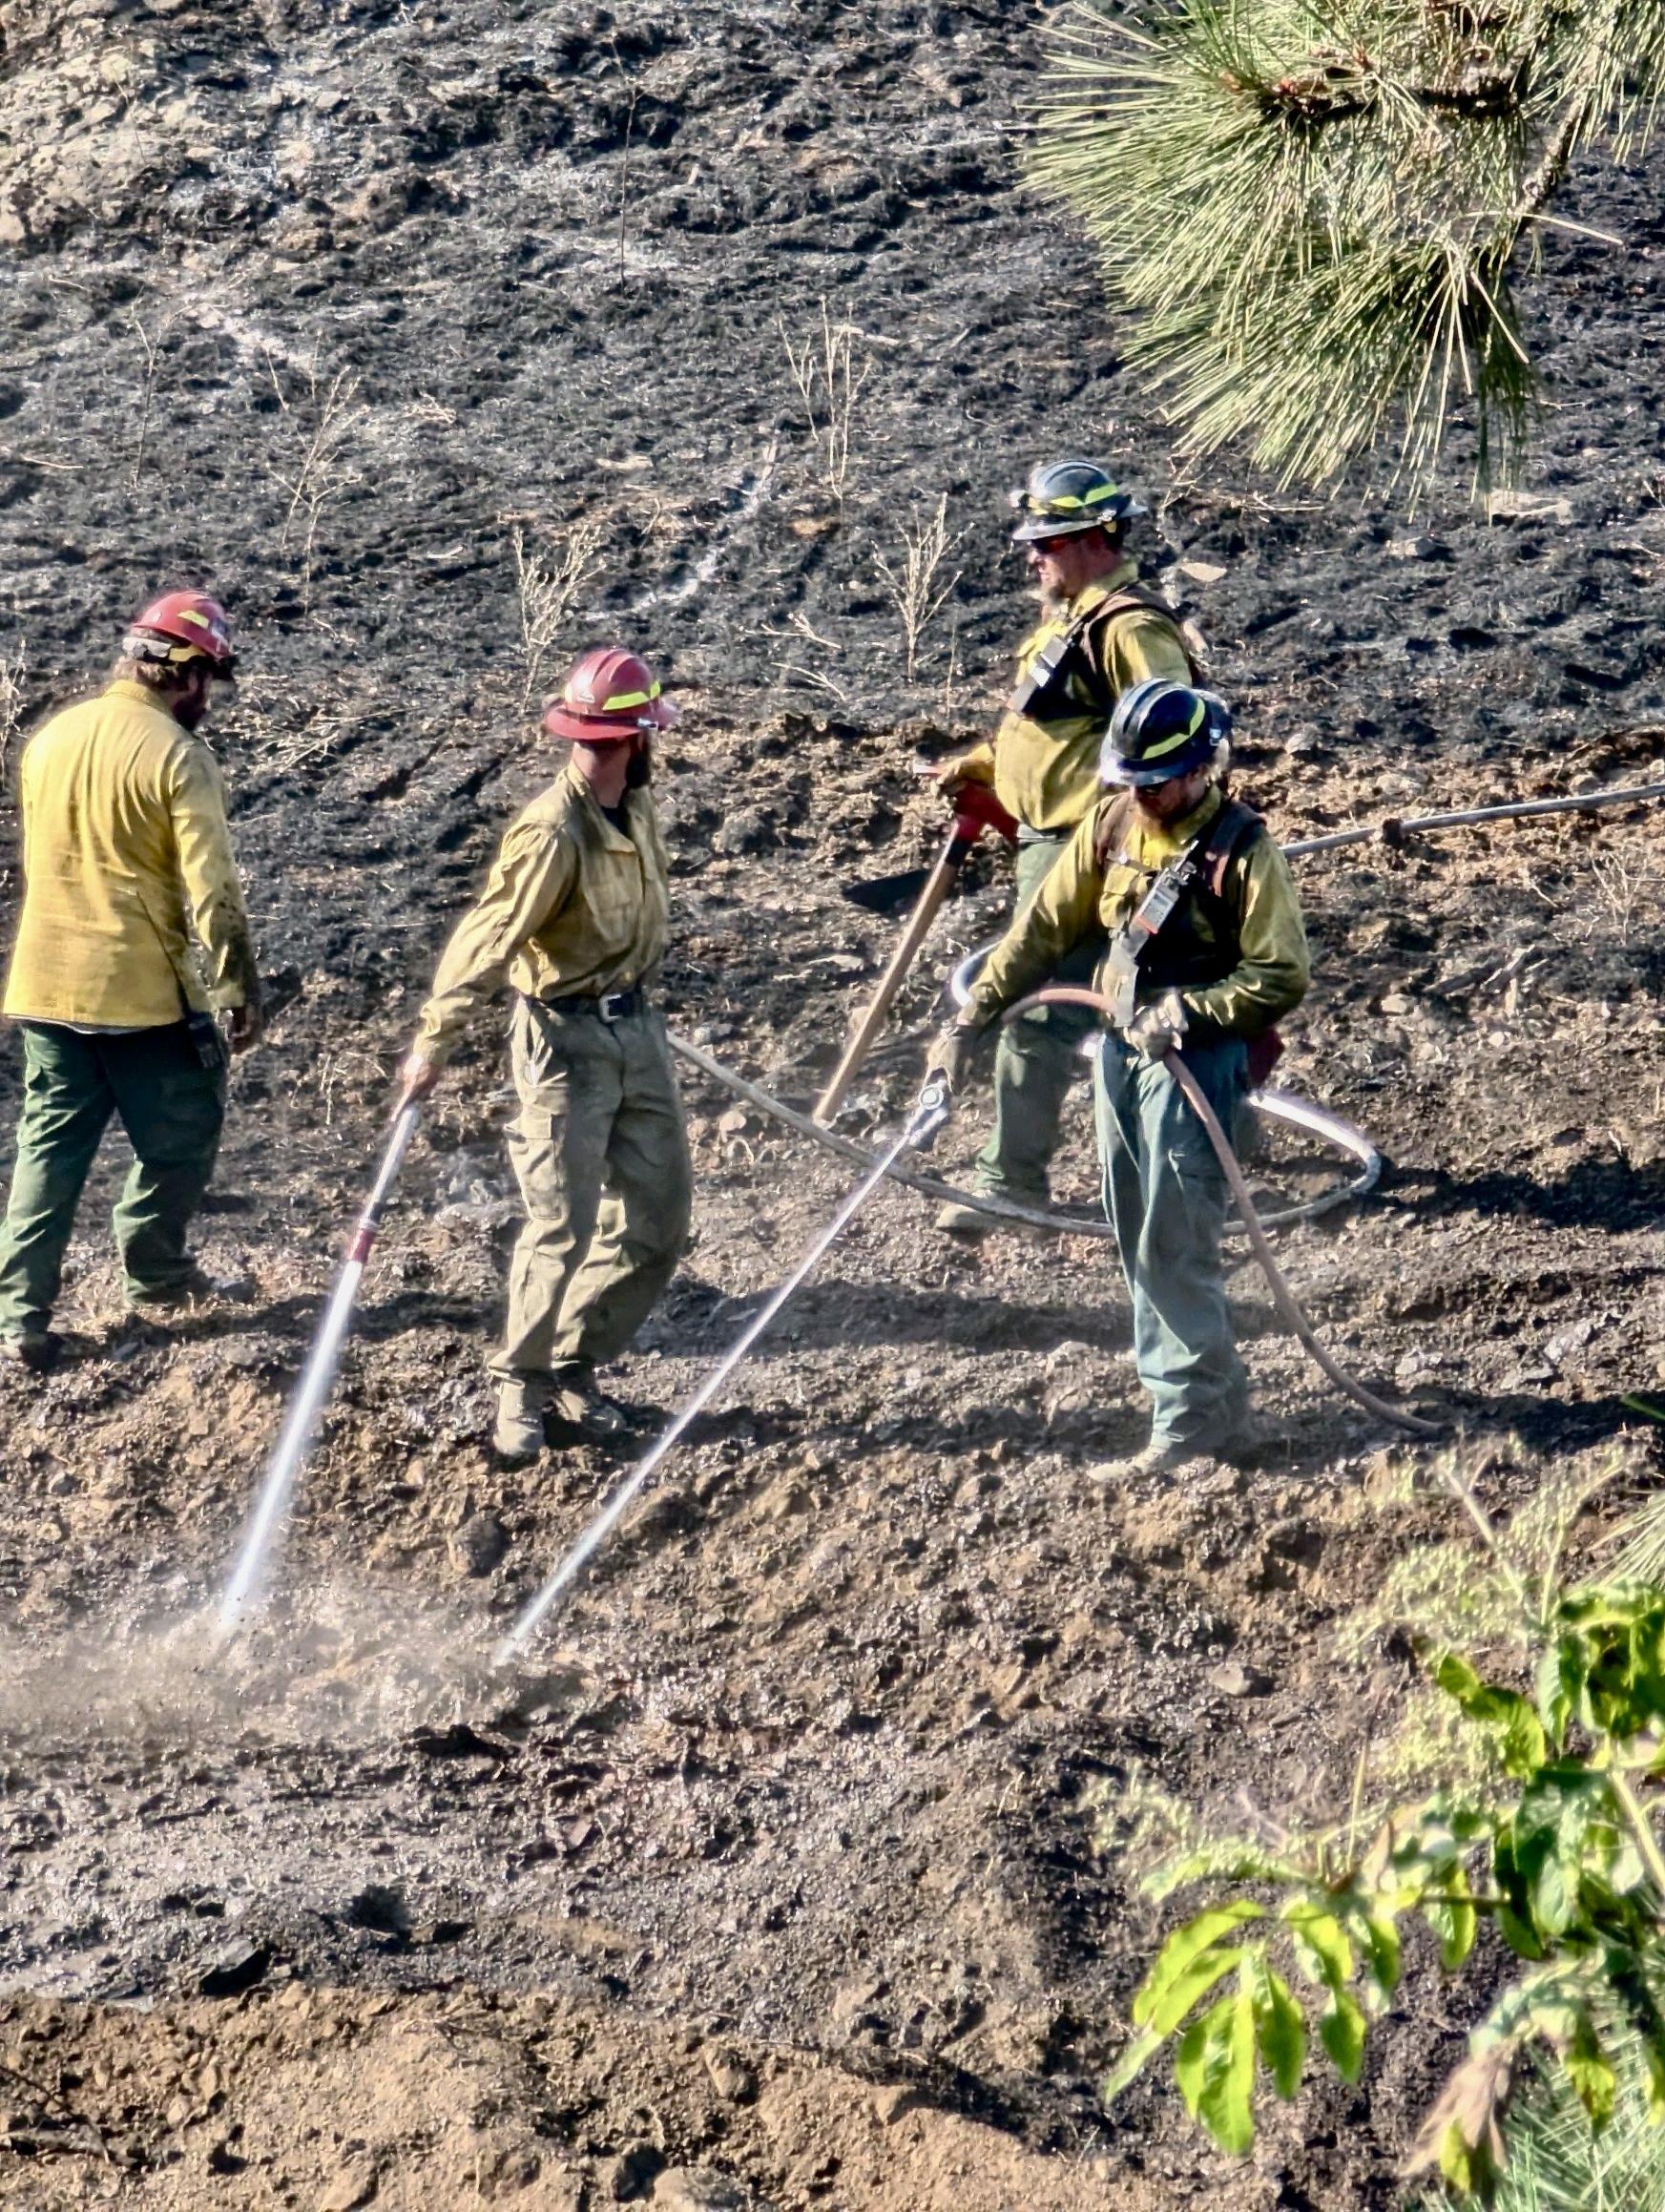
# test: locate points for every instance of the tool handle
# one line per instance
(976, 808)
(872, 1018)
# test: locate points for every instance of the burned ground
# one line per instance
(784, 1866)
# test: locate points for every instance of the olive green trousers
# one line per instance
(1036, 1060)
(600, 1152)
(171, 1107)
(1166, 1194)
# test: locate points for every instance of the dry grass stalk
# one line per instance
(11, 703)
(1623, 883)
(329, 418)
(917, 586)
(152, 346)
(829, 382)
(547, 585)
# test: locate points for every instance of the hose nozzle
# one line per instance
(930, 1109)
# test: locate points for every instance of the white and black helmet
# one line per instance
(1063, 498)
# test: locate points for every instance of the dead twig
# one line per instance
(547, 585)
(152, 348)
(11, 702)
(915, 590)
(322, 468)
(829, 380)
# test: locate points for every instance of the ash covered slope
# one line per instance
(542, 259)
(881, 1632)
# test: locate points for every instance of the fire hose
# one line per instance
(1287, 1304)
(1282, 1105)
(272, 1503)
(930, 1110)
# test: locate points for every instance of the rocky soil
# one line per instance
(775, 1880)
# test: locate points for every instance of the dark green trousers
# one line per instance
(1038, 1059)
(172, 1108)
(1164, 1191)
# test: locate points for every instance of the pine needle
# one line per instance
(1311, 210)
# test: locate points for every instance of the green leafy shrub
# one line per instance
(1540, 1825)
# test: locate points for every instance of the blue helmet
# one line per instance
(1063, 498)
(1162, 729)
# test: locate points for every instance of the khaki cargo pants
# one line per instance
(600, 1151)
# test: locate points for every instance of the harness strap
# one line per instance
(1129, 599)
(1205, 859)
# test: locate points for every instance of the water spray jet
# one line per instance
(248, 1578)
(930, 1113)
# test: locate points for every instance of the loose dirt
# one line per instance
(775, 1879)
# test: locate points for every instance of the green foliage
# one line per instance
(1558, 2161)
(1313, 209)
(1556, 1848)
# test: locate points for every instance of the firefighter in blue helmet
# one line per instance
(1203, 950)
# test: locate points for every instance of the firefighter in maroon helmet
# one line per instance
(132, 972)
(574, 919)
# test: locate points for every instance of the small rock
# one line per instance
(1232, 1680)
(747, 829)
(349, 2186)
(1416, 549)
(732, 1123)
(1522, 507)
(236, 1975)
(702, 2189)
(1202, 571)
(731, 2076)
(478, 1545)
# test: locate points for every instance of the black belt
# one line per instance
(611, 1006)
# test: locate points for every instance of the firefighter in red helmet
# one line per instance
(573, 918)
(132, 939)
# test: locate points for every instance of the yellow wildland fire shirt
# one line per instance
(1044, 763)
(126, 858)
(1273, 968)
(573, 909)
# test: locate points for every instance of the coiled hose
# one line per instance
(1283, 1298)
(1284, 1105)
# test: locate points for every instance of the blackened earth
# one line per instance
(780, 1863)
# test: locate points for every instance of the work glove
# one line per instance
(417, 1078)
(951, 1054)
(1157, 1027)
(242, 1026)
(951, 774)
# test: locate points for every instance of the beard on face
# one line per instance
(640, 767)
(191, 706)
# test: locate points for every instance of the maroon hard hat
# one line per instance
(182, 627)
(609, 696)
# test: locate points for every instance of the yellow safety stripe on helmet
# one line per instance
(1070, 502)
(190, 614)
(1179, 737)
(620, 699)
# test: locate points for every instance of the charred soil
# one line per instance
(775, 1880)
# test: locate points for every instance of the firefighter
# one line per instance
(1206, 949)
(574, 918)
(127, 862)
(1101, 631)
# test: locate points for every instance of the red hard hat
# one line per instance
(182, 627)
(609, 696)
